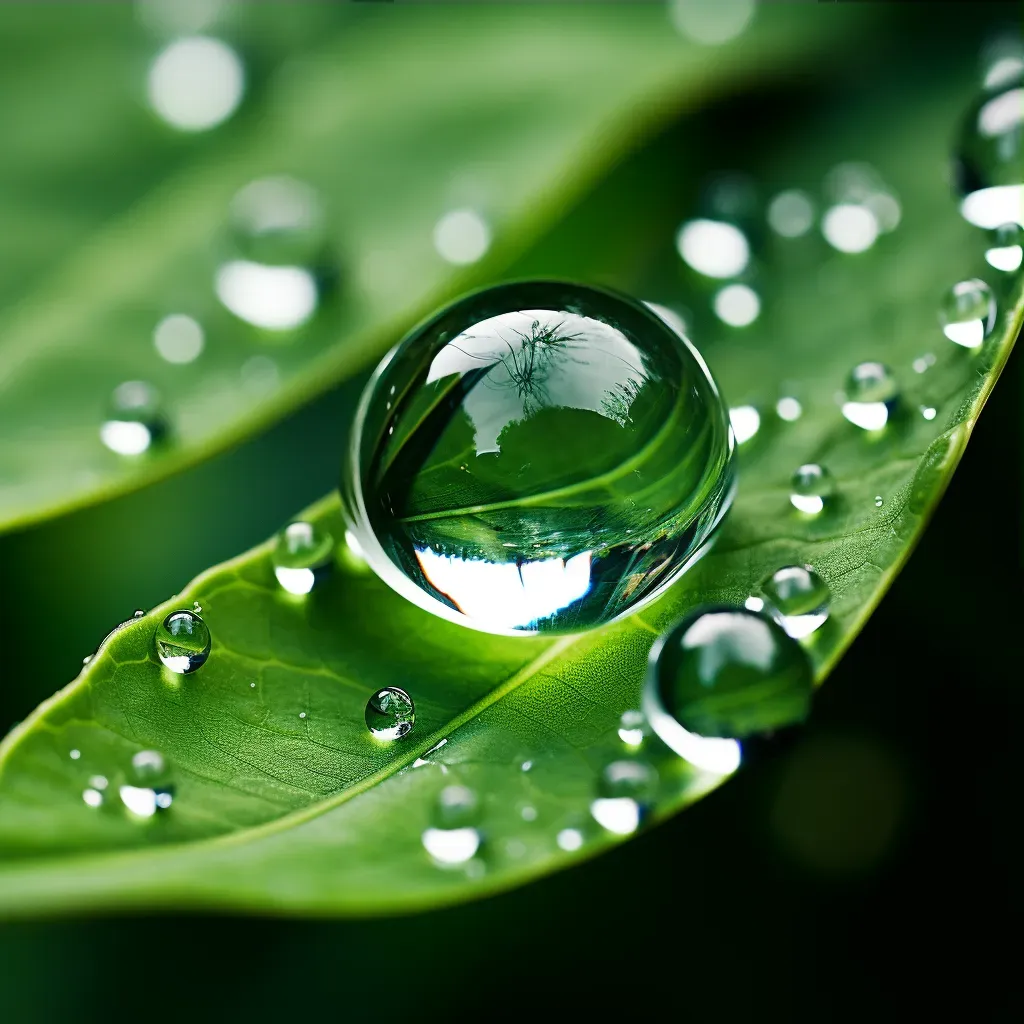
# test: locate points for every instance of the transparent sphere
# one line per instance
(968, 313)
(538, 457)
(798, 599)
(811, 488)
(302, 557)
(183, 642)
(390, 714)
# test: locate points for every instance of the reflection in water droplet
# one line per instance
(789, 409)
(928, 411)
(390, 714)
(75, 754)
(870, 396)
(631, 728)
(798, 599)
(569, 839)
(850, 227)
(922, 363)
(273, 298)
(92, 797)
(711, 22)
(526, 766)
(462, 237)
(134, 420)
(625, 792)
(1005, 248)
(196, 83)
(713, 248)
(302, 557)
(670, 316)
(745, 421)
(278, 221)
(719, 676)
(99, 782)
(453, 836)
(791, 213)
(968, 313)
(183, 642)
(178, 338)
(754, 604)
(879, 501)
(737, 305)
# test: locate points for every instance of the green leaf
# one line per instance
(395, 116)
(283, 799)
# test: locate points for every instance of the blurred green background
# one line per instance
(870, 864)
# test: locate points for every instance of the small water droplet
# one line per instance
(87, 659)
(150, 789)
(390, 714)
(528, 813)
(737, 305)
(871, 395)
(811, 488)
(139, 613)
(745, 421)
(632, 727)
(569, 839)
(178, 339)
(135, 419)
(75, 754)
(462, 237)
(968, 313)
(713, 248)
(625, 792)
(526, 766)
(302, 557)
(92, 797)
(850, 227)
(252, 686)
(798, 599)
(183, 642)
(1005, 248)
(197, 608)
(789, 409)
(302, 714)
(879, 501)
(929, 412)
(922, 363)
(754, 603)
(722, 675)
(99, 782)
(791, 213)
(453, 836)
(195, 83)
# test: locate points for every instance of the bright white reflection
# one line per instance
(800, 626)
(867, 415)
(569, 839)
(620, 814)
(126, 437)
(969, 334)
(754, 604)
(789, 409)
(630, 736)
(462, 237)
(178, 338)
(791, 213)
(745, 421)
(711, 22)
(812, 504)
(451, 845)
(995, 206)
(737, 305)
(670, 316)
(355, 548)
(928, 412)
(295, 581)
(713, 248)
(1006, 258)
(274, 298)
(849, 227)
(196, 83)
(1002, 114)
(1003, 71)
(141, 802)
(93, 797)
(507, 596)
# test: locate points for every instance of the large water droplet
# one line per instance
(798, 599)
(196, 83)
(390, 714)
(968, 313)
(719, 676)
(528, 459)
(135, 419)
(870, 396)
(183, 642)
(989, 161)
(302, 557)
(625, 792)
(453, 836)
(1005, 248)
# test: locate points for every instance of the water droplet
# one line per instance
(183, 642)
(711, 22)
(850, 227)
(528, 813)
(632, 728)
(178, 338)
(526, 766)
(745, 421)
(754, 603)
(99, 782)
(453, 836)
(988, 164)
(1005, 248)
(625, 792)
(722, 675)
(151, 789)
(252, 686)
(879, 501)
(789, 409)
(390, 714)
(462, 237)
(302, 714)
(569, 839)
(870, 396)
(512, 485)
(92, 797)
(737, 305)
(713, 248)
(274, 298)
(302, 557)
(196, 83)
(75, 754)
(968, 313)
(134, 419)
(87, 659)
(791, 213)
(139, 613)
(197, 608)
(798, 599)
(922, 363)
(928, 411)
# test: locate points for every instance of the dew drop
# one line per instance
(196, 83)
(737, 305)
(480, 484)
(713, 248)
(789, 409)
(183, 642)
(722, 675)
(929, 412)
(302, 714)
(453, 836)
(151, 788)
(462, 237)
(526, 766)
(134, 420)
(798, 599)
(745, 421)
(302, 557)
(791, 213)
(632, 728)
(390, 714)
(178, 339)
(879, 501)
(92, 797)
(968, 313)
(625, 792)
(870, 396)
(754, 603)
(1005, 248)
(569, 839)
(528, 813)
(850, 227)
(75, 754)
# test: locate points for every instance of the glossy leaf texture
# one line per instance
(502, 118)
(284, 801)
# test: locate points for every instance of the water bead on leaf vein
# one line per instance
(538, 457)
